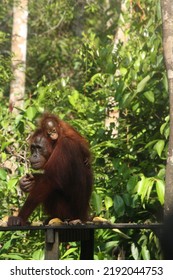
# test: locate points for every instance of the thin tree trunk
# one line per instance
(18, 48)
(112, 114)
(167, 18)
(78, 21)
(121, 35)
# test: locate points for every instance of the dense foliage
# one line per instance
(73, 71)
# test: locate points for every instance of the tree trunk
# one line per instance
(78, 21)
(18, 48)
(167, 18)
(112, 114)
(121, 35)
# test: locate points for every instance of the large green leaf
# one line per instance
(119, 206)
(135, 252)
(3, 174)
(159, 146)
(12, 183)
(149, 96)
(31, 112)
(160, 188)
(144, 187)
(97, 202)
(143, 83)
(132, 183)
(108, 202)
(145, 253)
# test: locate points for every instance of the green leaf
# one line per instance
(123, 71)
(132, 183)
(150, 143)
(134, 251)
(108, 202)
(159, 146)
(119, 206)
(151, 183)
(68, 252)
(149, 96)
(144, 187)
(165, 81)
(12, 183)
(5, 144)
(160, 188)
(3, 174)
(111, 244)
(96, 78)
(11, 256)
(38, 255)
(127, 199)
(164, 129)
(97, 202)
(142, 84)
(122, 234)
(140, 185)
(7, 245)
(145, 253)
(31, 112)
(74, 98)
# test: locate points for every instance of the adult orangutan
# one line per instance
(64, 188)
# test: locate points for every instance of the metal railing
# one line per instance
(84, 232)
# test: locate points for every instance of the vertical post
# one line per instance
(52, 245)
(87, 247)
